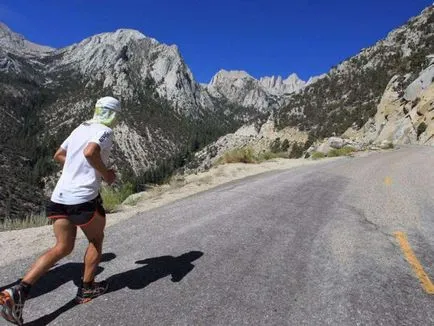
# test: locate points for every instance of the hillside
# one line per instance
(382, 96)
(348, 95)
(47, 92)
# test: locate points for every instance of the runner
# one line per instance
(75, 202)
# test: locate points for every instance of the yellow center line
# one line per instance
(388, 181)
(424, 279)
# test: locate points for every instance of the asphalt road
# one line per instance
(309, 246)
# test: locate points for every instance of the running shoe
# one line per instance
(85, 295)
(12, 303)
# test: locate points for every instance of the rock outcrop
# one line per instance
(264, 94)
(258, 138)
(404, 115)
(350, 93)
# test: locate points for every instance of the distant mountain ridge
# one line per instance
(264, 94)
(278, 85)
(168, 116)
(47, 92)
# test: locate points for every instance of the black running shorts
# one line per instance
(80, 214)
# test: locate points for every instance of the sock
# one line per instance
(87, 285)
(26, 288)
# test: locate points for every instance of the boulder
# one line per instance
(336, 142)
(324, 148)
(357, 145)
(386, 144)
(133, 199)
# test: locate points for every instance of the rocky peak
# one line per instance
(264, 94)
(116, 39)
(236, 77)
(127, 61)
(17, 44)
(240, 88)
(99, 51)
(278, 86)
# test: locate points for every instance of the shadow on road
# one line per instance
(60, 275)
(152, 270)
(63, 274)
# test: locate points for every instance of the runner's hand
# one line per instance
(110, 176)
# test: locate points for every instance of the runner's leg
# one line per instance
(65, 233)
(12, 299)
(94, 232)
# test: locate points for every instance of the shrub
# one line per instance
(113, 197)
(247, 155)
(344, 151)
(421, 129)
(415, 102)
(296, 151)
(240, 155)
(265, 156)
(285, 145)
(275, 146)
(317, 155)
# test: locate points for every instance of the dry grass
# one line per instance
(30, 221)
(177, 182)
(248, 155)
(113, 197)
(317, 155)
(344, 151)
(239, 155)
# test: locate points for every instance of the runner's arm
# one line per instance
(92, 152)
(60, 156)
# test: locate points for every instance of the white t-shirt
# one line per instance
(80, 182)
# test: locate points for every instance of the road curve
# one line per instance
(313, 245)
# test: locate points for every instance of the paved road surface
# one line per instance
(309, 246)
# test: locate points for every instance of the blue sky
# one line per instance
(261, 37)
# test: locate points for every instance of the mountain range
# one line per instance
(167, 116)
